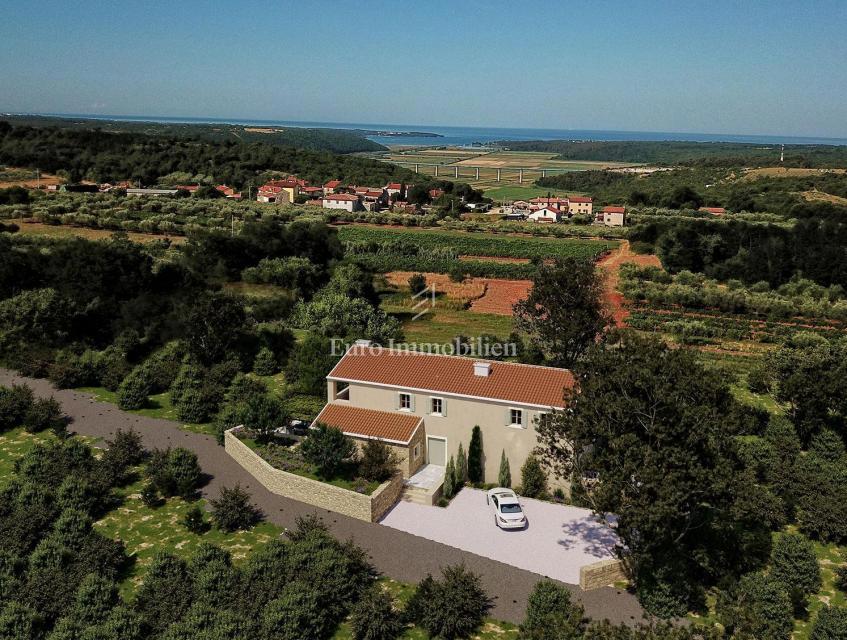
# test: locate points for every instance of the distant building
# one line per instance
(715, 211)
(612, 216)
(548, 213)
(346, 201)
(312, 192)
(281, 191)
(398, 189)
(191, 188)
(580, 205)
(480, 207)
(151, 192)
(229, 192)
(331, 186)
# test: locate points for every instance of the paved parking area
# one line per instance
(558, 540)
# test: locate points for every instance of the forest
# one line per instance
(100, 157)
(335, 140)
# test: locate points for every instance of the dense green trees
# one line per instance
(328, 449)
(232, 510)
(452, 607)
(667, 465)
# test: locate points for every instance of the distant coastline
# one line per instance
(423, 135)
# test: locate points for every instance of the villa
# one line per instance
(424, 405)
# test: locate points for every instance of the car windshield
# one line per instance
(510, 508)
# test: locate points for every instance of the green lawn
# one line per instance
(442, 325)
(15, 444)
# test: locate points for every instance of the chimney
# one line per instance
(482, 369)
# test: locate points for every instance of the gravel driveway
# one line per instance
(395, 553)
(558, 540)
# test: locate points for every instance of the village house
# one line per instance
(281, 191)
(424, 405)
(547, 213)
(580, 205)
(229, 192)
(397, 189)
(331, 186)
(715, 211)
(346, 201)
(559, 203)
(612, 216)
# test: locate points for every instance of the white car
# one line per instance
(508, 513)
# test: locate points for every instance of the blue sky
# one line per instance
(744, 67)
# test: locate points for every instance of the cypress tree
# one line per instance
(504, 478)
(449, 476)
(461, 468)
(475, 471)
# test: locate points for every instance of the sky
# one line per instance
(735, 67)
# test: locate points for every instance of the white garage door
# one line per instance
(436, 451)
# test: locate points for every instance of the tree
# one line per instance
(504, 478)
(475, 469)
(417, 282)
(461, 468)
(533, 478)
(374, 618)
(564, 312)
(795, 565)
(166, 593)
(135, 389)
(378, 461)
(449, 488)
(830, 624)
(757, 607)
(456, 605)
(297, 613)
(212, 326)
(44, 414)
(328, 449)
(667, 464)
(174, 472)
(309, 364)
(551, 615)
(232, 510)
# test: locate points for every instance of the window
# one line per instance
(416, 452)
(544, 418)
(516, 417)
(437, 406)
(405, 402)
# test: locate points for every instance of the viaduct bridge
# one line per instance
(454, 169)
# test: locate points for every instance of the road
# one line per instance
(397, 554)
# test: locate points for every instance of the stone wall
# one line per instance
(319, 494)
(601, 574)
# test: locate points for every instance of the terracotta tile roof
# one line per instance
(341, 196)
(507, 381)
(580, 199)
(332, 184)
(614, 209)
(368, 423)
(394, 185)
(714, 210)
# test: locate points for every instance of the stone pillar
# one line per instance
(477, 173)
(436, 171)
(520, 176)
(544, 173)
(455, 171)
(498, 175)
(416, 168)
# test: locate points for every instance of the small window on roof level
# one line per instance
(405, 402)
(516, 417)
(437, 407)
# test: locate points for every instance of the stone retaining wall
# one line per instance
(601, 574)
(319, 494)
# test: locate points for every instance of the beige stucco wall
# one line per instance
(319, 494)
(406, 460)
(456, 426)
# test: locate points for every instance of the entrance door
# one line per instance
(436, 451)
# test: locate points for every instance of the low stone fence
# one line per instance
(313, 492)
(601, 574)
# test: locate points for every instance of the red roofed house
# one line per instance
(580, 205)
(346, 201)
(281, 191)
(612, 216)
(424, 404)
(715, 211)
(331, 186)
(546, 213)
(398, 189)
(229, 192)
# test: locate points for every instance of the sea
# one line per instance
(476, 136)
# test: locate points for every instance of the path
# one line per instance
(612, 264)
(397, 554)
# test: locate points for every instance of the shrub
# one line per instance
(135, 389)
(297, 613)
(122, 452)
(69, 370)
(475, 470)
(265, 363)
(550, 614)
(455, 606)
(113, 368)
(328, 449)
(174, 472)
(841, 578)
(374, 617)
(149, 495)
(15, 403)
(194, 520)
(378, 461)
(163, 366)
(417, 282)
(794, 564)
(504, 478)
(44, 414)
(533, 479)
(831, 624)
(828, 445)
(759, 380)
(233, 511)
